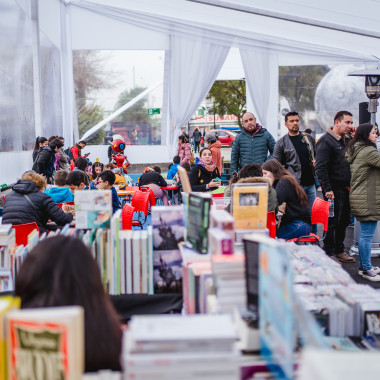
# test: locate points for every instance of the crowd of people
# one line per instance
(345, 163)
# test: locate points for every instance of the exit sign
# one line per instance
(153, 111)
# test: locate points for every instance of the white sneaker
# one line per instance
(371, 275)
(361, 270)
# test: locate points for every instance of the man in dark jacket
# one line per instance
(27, 204)
(197, 139)
(334, 175)
(44, 163)
(251, 145)
(296, 152)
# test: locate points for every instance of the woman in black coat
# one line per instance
(27, 203)
(202, 176)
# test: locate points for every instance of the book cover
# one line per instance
(7, 303)
(45, 343)
(168, 232)
(198, 221)
(250, 205)
(93, 209)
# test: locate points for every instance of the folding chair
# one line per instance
(319, 215)
(23, 230)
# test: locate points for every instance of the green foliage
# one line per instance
(88, 116)
(298, 85)
(229, 98)
(136, 114)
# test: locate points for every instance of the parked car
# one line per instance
(225, 137)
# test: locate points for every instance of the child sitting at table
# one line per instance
(60, 193)
(173, 168)
(106, 182)
(119, 177)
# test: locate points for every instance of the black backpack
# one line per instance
(69, 153)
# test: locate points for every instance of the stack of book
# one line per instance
(177, 347)
(229, 281)
(7, 240)
(197, 280)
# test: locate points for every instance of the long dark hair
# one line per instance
(361, 136)
(96, 165)
(279, 172)
(60, 271)
(39, 140)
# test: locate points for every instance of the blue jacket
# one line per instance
(247, 149)
(115, 200)
(172, 171)
(60, 194)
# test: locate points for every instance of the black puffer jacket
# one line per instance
(44, 162)
(17, 209)
(199, 177)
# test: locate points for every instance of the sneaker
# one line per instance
(344, 258)
(361, 270)
(371, 275)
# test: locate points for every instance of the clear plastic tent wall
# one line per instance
(17, 82)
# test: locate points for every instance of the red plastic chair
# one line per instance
(127, 216)
(319, 215)
(271, 224)
(22, 232)
(140, 201)
(66, 203)
(152, 197)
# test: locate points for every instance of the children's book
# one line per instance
(250, 205)
(45, 343)
(168, 232)
(93, 209)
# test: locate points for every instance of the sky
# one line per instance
(131, 68)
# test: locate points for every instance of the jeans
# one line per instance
(334, 241)
(196, 146)
(295, 229)
(367, 230)
(311, 193)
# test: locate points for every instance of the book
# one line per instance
(168, 232)
(6, 282)
(54, 336)
(93, 209)
(198, 221)
(250, 205)
(7, 303)
(220, 242)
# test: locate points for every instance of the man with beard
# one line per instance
(296, 152)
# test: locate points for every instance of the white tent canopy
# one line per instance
(268, 33)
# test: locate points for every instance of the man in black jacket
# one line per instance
(296, 152)
(334, 175)
(44, 163)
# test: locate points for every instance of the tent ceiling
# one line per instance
(289, 28)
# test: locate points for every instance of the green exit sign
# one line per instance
(153, 111)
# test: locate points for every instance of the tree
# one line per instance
(138, 113)
(298, 85)
(88, 116)
(89, 75)
(229, 98)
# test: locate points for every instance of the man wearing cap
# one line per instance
(251, 145)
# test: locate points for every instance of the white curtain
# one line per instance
(261, 77)
(194, 66)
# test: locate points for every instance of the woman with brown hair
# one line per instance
(61, 271)
(296, 221)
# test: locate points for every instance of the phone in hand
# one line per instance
(86, 154)
(217, 179)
